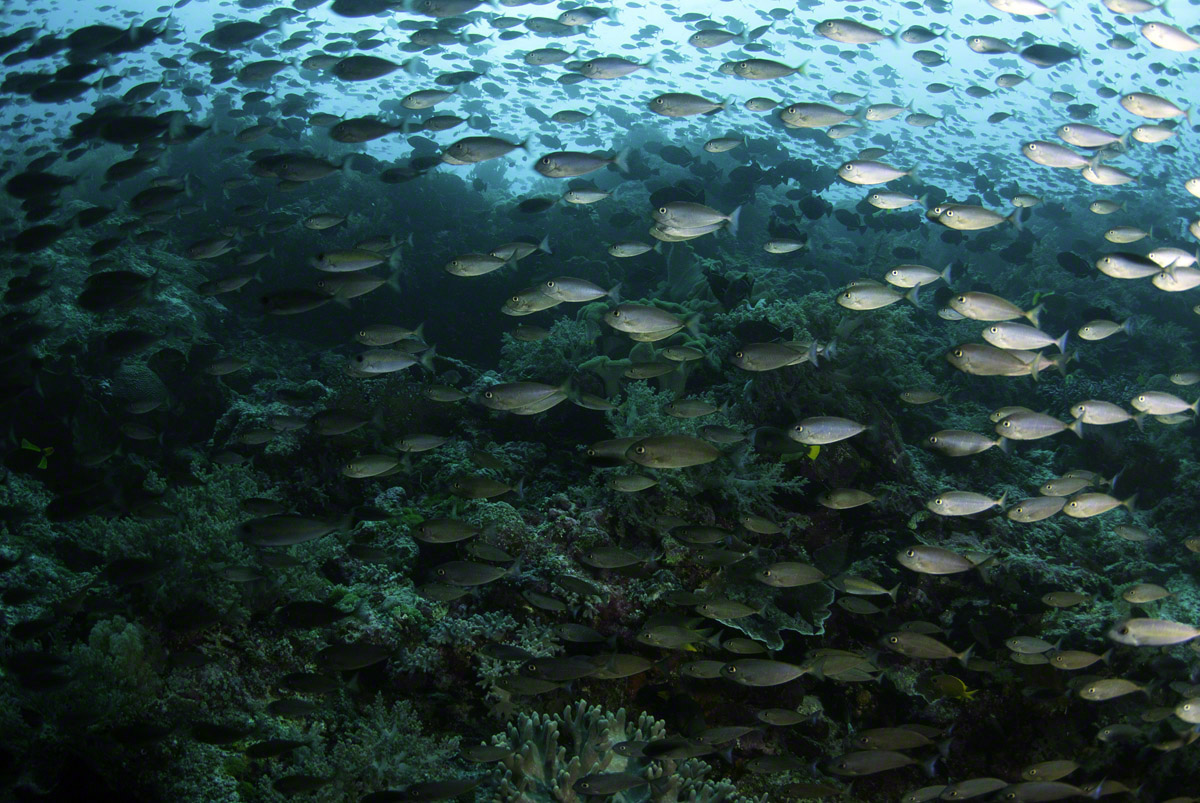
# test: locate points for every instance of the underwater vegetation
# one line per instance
(720, 402)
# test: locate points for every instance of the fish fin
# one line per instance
(1076, 426)
(614, 294)
(1129, 503)
(427, 358)
(733, 221)
(621, 160)
(965, 656)
(544, 245)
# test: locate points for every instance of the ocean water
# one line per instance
(831, 435)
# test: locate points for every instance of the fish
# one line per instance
(1086, 505)
(671, 452)
(936, 560)
(569, 164)
(760, 672)
(918, 645)
(961, 443)
(988, 307)
(963, 503)
(865, 172)
(1150, 632)
(684, 104)
(824, 430)
(872, 295)
(852, 32)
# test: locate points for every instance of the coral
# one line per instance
(552, 752)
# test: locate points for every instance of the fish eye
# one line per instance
(912, 553)
(640, 449)
(516, 299)
(846, 294)
(766, 572)
(1124, 631)
(550, 283)
(545, 160)
(933, 438)
(743, 64)
(616, 313)
(441, 572)
(662, 210)
(738, 354)
(487, 394)
(731, 669)
(993, 329)
(1006, 423)
(659, 101)
(585, 784)
(1032, 146)
(362, 332)
(893, 640)
(937, 501)
(949, 213)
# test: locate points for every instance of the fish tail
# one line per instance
(427, 359)
(1076, 426)
(1015, 218)
(621, 160)
(733, 221)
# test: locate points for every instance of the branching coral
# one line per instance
(552, 752)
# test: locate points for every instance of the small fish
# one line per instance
(918, 645)
(1152, 632)
(824, 430)
(1109, 689)
(936, 560)
(761, 672)
(963, 503)
(672, 451)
